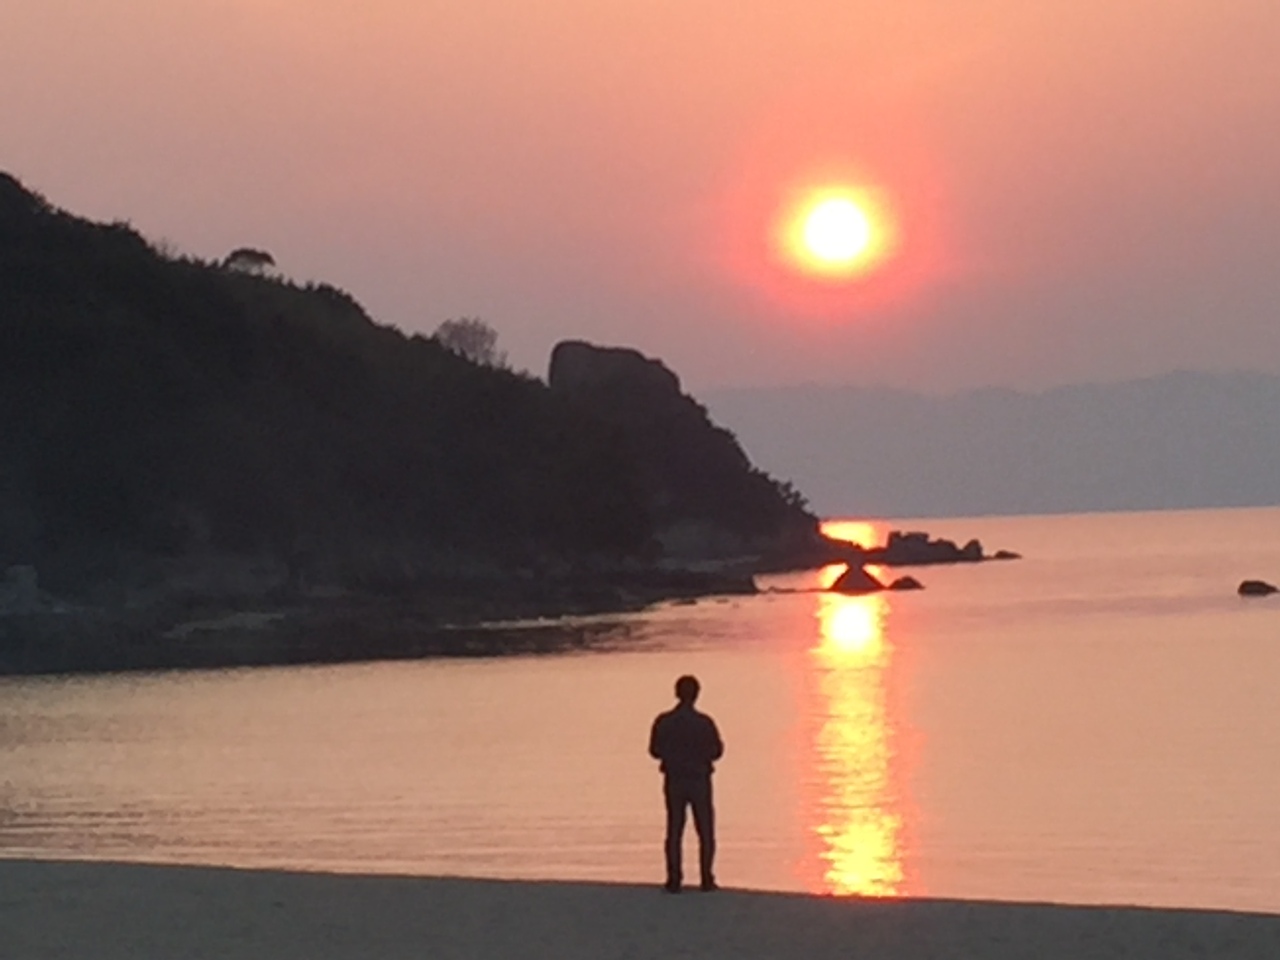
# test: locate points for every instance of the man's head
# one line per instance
(687, 689)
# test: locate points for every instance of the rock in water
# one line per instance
(856, 580)
(906, 583)
(1255, 588)
(913, 548)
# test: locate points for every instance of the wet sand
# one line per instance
(106, 911)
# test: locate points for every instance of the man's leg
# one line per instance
(704, 821)
(676, 799)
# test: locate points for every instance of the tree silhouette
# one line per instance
(472, 338)
(249, 260)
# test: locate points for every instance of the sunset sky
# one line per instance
(1062, 191)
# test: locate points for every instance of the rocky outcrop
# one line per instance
(856, 581)
(906, 583)
(706, 499)
(580, 367)
(916, 548)
(1256, 588)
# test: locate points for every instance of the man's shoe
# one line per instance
(671, 886)
(708, 885)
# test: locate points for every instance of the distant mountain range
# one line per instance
(1182, 440)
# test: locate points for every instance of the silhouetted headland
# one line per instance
(204, 463)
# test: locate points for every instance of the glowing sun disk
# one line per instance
(836, 230)
(837, 233)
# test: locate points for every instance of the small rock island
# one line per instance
(1256, 588)
(901, 549)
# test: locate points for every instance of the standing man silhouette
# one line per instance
(687, 742)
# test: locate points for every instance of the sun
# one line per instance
(836, 230)
(835, 233)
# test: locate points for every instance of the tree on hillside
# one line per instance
(472, 338)
(249, 260)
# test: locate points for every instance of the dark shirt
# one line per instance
(686, 742)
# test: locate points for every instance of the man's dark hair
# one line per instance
(687, 689)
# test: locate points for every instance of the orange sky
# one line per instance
(1086, 190)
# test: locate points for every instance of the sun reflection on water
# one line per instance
(863, 533)
(856, 809)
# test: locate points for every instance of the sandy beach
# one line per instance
(106, 911)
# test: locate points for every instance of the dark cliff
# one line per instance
(153, 407)
(176, 428)
(705, 497)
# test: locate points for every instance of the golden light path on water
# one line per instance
(857, 818)
(862, 532)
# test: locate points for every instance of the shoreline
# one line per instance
(56, 910)
(458, 618)
(168, 628)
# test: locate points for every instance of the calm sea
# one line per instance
(1098, 722)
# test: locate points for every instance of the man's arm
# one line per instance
(655, 748)
(715, 745)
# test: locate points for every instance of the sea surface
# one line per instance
(1098, 722)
